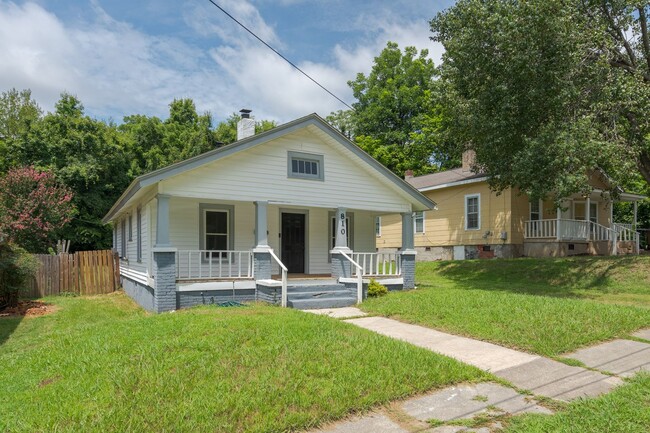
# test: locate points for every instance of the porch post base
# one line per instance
(408, 268)
(341, 267)
(164, 271)
(262, 264)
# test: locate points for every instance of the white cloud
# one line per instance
(117, 70)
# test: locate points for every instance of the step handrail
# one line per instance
(359, 276)
(284, 278)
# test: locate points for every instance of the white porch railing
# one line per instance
(619, 226)
(378, 264)
(567, 229)
(284, 296)
(540, 229)
(213, 264)
(359, 274)
(580, 230)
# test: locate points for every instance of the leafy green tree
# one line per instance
(343, 120)
(86, 155)
(395, 118)
(546, 91)
(18, 112)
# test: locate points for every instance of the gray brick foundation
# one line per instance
(408, 269)
(211, 297)
(140, 293)
(262, 265)
(164, 271)
(341, 267)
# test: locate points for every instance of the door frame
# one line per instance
(297, 211)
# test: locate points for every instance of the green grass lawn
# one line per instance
(101, 364)
(545, 306)
(625, 410)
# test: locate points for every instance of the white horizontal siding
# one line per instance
(260, 173)
(364, 232)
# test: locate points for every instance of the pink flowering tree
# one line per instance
(34, 206)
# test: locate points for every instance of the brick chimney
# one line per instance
(246, 125)
(469, 160)
(408, 174)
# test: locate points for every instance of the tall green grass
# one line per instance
(545, 306)
(102, 365)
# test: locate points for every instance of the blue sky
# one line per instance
(134, 57)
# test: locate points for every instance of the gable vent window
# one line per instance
(305, 166)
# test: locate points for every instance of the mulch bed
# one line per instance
(28, 308)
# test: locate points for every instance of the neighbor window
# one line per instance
(138, 224)
(418, 222)
(535, 210)
(473, 212)
(305, 166)
(377, 226)
(130, 227)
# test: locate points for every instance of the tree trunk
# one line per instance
(644, 165)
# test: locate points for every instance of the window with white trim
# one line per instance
(378, 226)
(305, 166)
(418, 222)
(535, 207)
(138, 223)
(130, 228)
(473, 212)
(216, 229)
(123, 239)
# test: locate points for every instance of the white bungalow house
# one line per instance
(286, 216)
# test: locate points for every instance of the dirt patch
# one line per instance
(28, 308)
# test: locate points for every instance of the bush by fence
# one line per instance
(83, 273)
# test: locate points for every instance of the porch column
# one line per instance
(341, 242)
(164, 261)
(635, 215)
(262, 259)
(558, 223)
(162, 221)
(261, 226)
(341, 267)
(408, 251)
(588, 217)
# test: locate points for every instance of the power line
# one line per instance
(279, 54)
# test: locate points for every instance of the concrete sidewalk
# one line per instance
(542, 376)
(534, 373)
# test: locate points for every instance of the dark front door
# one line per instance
(293, 242)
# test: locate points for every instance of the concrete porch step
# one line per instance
(319, 294)
(299, 288)
(318, 303)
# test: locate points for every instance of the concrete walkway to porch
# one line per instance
(541, 376)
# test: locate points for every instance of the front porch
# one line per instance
(309, 241)
(564, 237)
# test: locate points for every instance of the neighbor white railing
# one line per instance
(359, 275)
(540, 229)
(284, 278)
(378, 264)
(567, 229)
(619, 226)
(213, 264)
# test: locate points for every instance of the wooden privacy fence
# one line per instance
(83, 273)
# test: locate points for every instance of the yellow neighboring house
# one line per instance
(471, 221)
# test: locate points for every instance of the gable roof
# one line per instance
(443, 179)
(314, 119)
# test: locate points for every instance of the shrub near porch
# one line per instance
(545, 306)
(101, 364)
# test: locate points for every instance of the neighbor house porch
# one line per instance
(583, 225)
